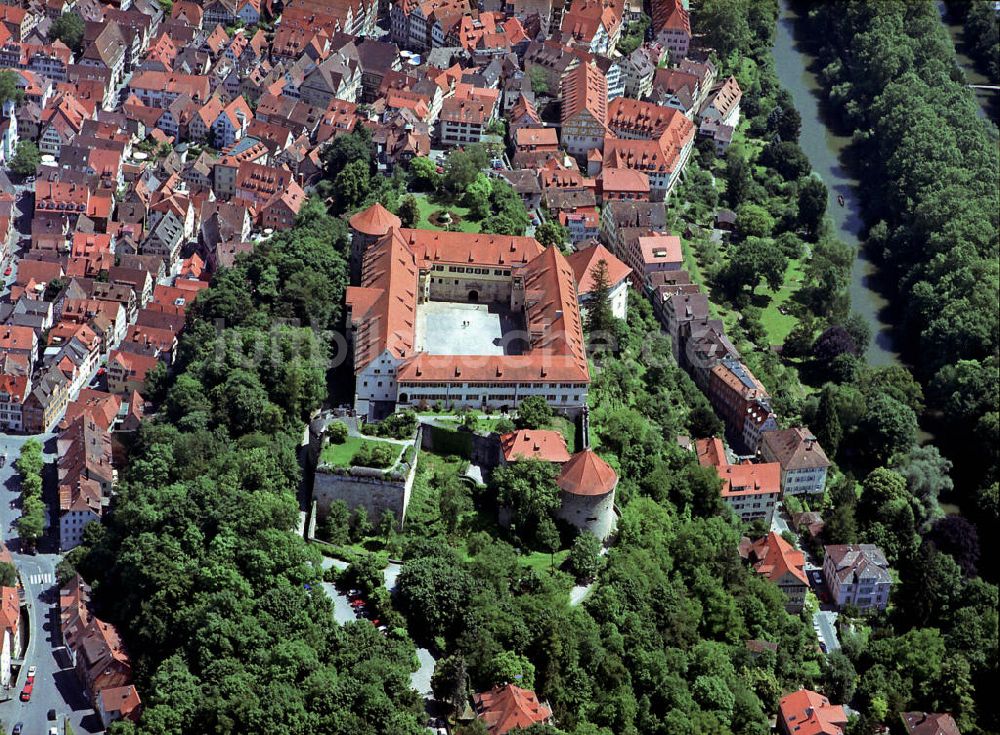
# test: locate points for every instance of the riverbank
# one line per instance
(988, 99)
(826, 150)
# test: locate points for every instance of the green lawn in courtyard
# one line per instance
(340, 455)
(428, 207)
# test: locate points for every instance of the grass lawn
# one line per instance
(776, 324)
(340, 455)
(541, 560)
(567, 428)
(427, 208)
(697, 277)
(484, 425)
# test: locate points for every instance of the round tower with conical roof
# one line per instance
(367, 226)
(587, 493)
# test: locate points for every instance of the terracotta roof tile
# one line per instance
(583, 262)
(587, 474)
(774, 558)
(508, 707)
(548, 446)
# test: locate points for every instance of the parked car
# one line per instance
(26, 692)
(31, 673)
(52, 715)
(8, 270)
(18, 729)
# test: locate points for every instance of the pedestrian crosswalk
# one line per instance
(41, 578)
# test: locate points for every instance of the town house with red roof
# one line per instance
(586, 264)
(13, 392)
(742, 403)
(96, 650)
(594, 25)
(751, 490)
(508, 707)
(48, 60)
(60, 123)
(584, 114)
(127, 371)
(781, 563)
(86, 477)
(10, 630)
(18, 21)
(46, 402)
(466, 114)
(671, 27)
(806, 712)
(654, 140)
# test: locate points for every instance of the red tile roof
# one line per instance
(536, 138)
(470, 105)
(583, 262)
(548, 446)
(552, 311)
(587, 474)
(670, 15)
(585, 17)
(624, 180)
(432, 246)
(16, 338)
(15, 386)
(97, 406)
(504, 708)
(806, 712)
(376, 221)
(660, 249)
(711, 452)
(123, 700)
(10, 610)
(383, 308)
(585, 88)
(749, 478)
(641, 119)
(776, 558)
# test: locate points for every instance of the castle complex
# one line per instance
(461, 320)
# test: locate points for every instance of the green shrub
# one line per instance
(337, 433)
(379, 456)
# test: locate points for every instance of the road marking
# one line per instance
(42, 578)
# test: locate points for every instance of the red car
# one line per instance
(8, 271)
(26, 692)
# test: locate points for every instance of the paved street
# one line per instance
(55, 687)
(824, 623)
(824, 619)
(779, 523)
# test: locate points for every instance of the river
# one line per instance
(824, 147)
(988, 99)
